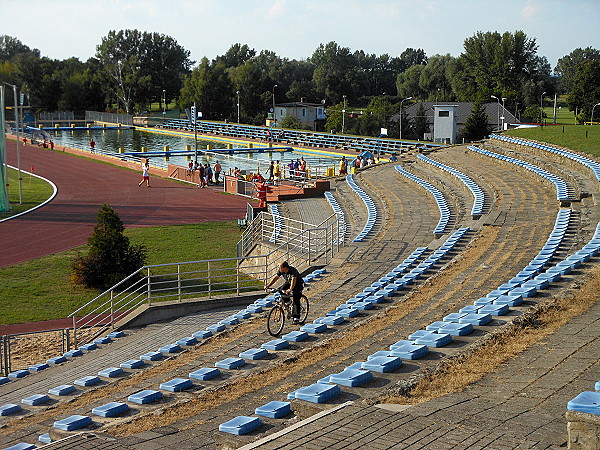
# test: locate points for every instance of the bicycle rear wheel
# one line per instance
(276, 320)
(303, 308)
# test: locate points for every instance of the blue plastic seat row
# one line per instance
(371, 209)
(342, 227)
(437, 195)
(562, 190)
(478, 195)
(592, 165)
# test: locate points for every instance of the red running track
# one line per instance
(83, 186)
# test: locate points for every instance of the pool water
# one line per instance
(109, 141)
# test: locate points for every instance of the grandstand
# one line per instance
(440, 254)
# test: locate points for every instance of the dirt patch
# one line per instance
(459, 371)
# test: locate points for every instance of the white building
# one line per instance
(310, 115)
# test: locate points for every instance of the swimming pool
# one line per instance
(109, 142)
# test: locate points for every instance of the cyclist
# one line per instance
(294, 284)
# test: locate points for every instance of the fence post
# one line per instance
(179, 282)
(7, 354)
(149, 286)
(74, 331)
(112, 309)
(208, 277)
(237, 278)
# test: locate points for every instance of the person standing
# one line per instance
(277, 171)
(145, 174)
(343, 166)
(271, 172)
(217, 169)
(92, 145)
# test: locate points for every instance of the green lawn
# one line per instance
(34, 192)
(41, 289)
(584, 138)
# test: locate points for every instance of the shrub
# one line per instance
(110, 257)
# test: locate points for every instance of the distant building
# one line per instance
(494, 111)
(310, 115)
(444, 123)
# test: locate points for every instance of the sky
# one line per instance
(62, 29)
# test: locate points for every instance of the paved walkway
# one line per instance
(83, 186)
(522, 405)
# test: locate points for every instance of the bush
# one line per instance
(110, 257)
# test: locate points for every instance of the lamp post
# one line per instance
(498, 100)
(503, 112)
(592, 118)
(238, 105)
(400, 130)
(18, 142)
(274, 119)
(164, 103)
(542, 107)
(344, 114)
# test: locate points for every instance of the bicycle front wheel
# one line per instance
(303, 308)
(276, 320)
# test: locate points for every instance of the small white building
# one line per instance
(310, 115)
(444, 123)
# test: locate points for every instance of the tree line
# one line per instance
(132, 70)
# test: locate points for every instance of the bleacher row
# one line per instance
(440, 333)
(478, 195)
(297, 137)
(370, 205)
(440, 200)
(592, 165)
(562, 191)
(276, 233)
(342, 228)
(359, 373)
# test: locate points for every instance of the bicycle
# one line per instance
(282, 310)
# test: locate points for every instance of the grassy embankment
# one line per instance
(41, 289)
(35, 191)
(583, 138)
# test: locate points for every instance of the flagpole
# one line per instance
(195, 115)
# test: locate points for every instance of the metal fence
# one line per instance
(96, 116)
(203, 279)
(21, 351)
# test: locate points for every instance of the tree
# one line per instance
(566, 68)
(11, 47)
(110, 257)
(501, 64)
(210, 87)
(408, 83)
(434, 79)
(237, 55)
(138, 66)
(291, 122)
(586, 88)
(420, 125)
(476, 126)
(337, 73)
(412, 57)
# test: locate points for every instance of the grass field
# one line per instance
(41, 289)
(35, 191)
(584, 138)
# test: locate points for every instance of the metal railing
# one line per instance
(203, 279)
(96, 116)
(277, 230)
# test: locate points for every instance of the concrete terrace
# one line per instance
(519, 405)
